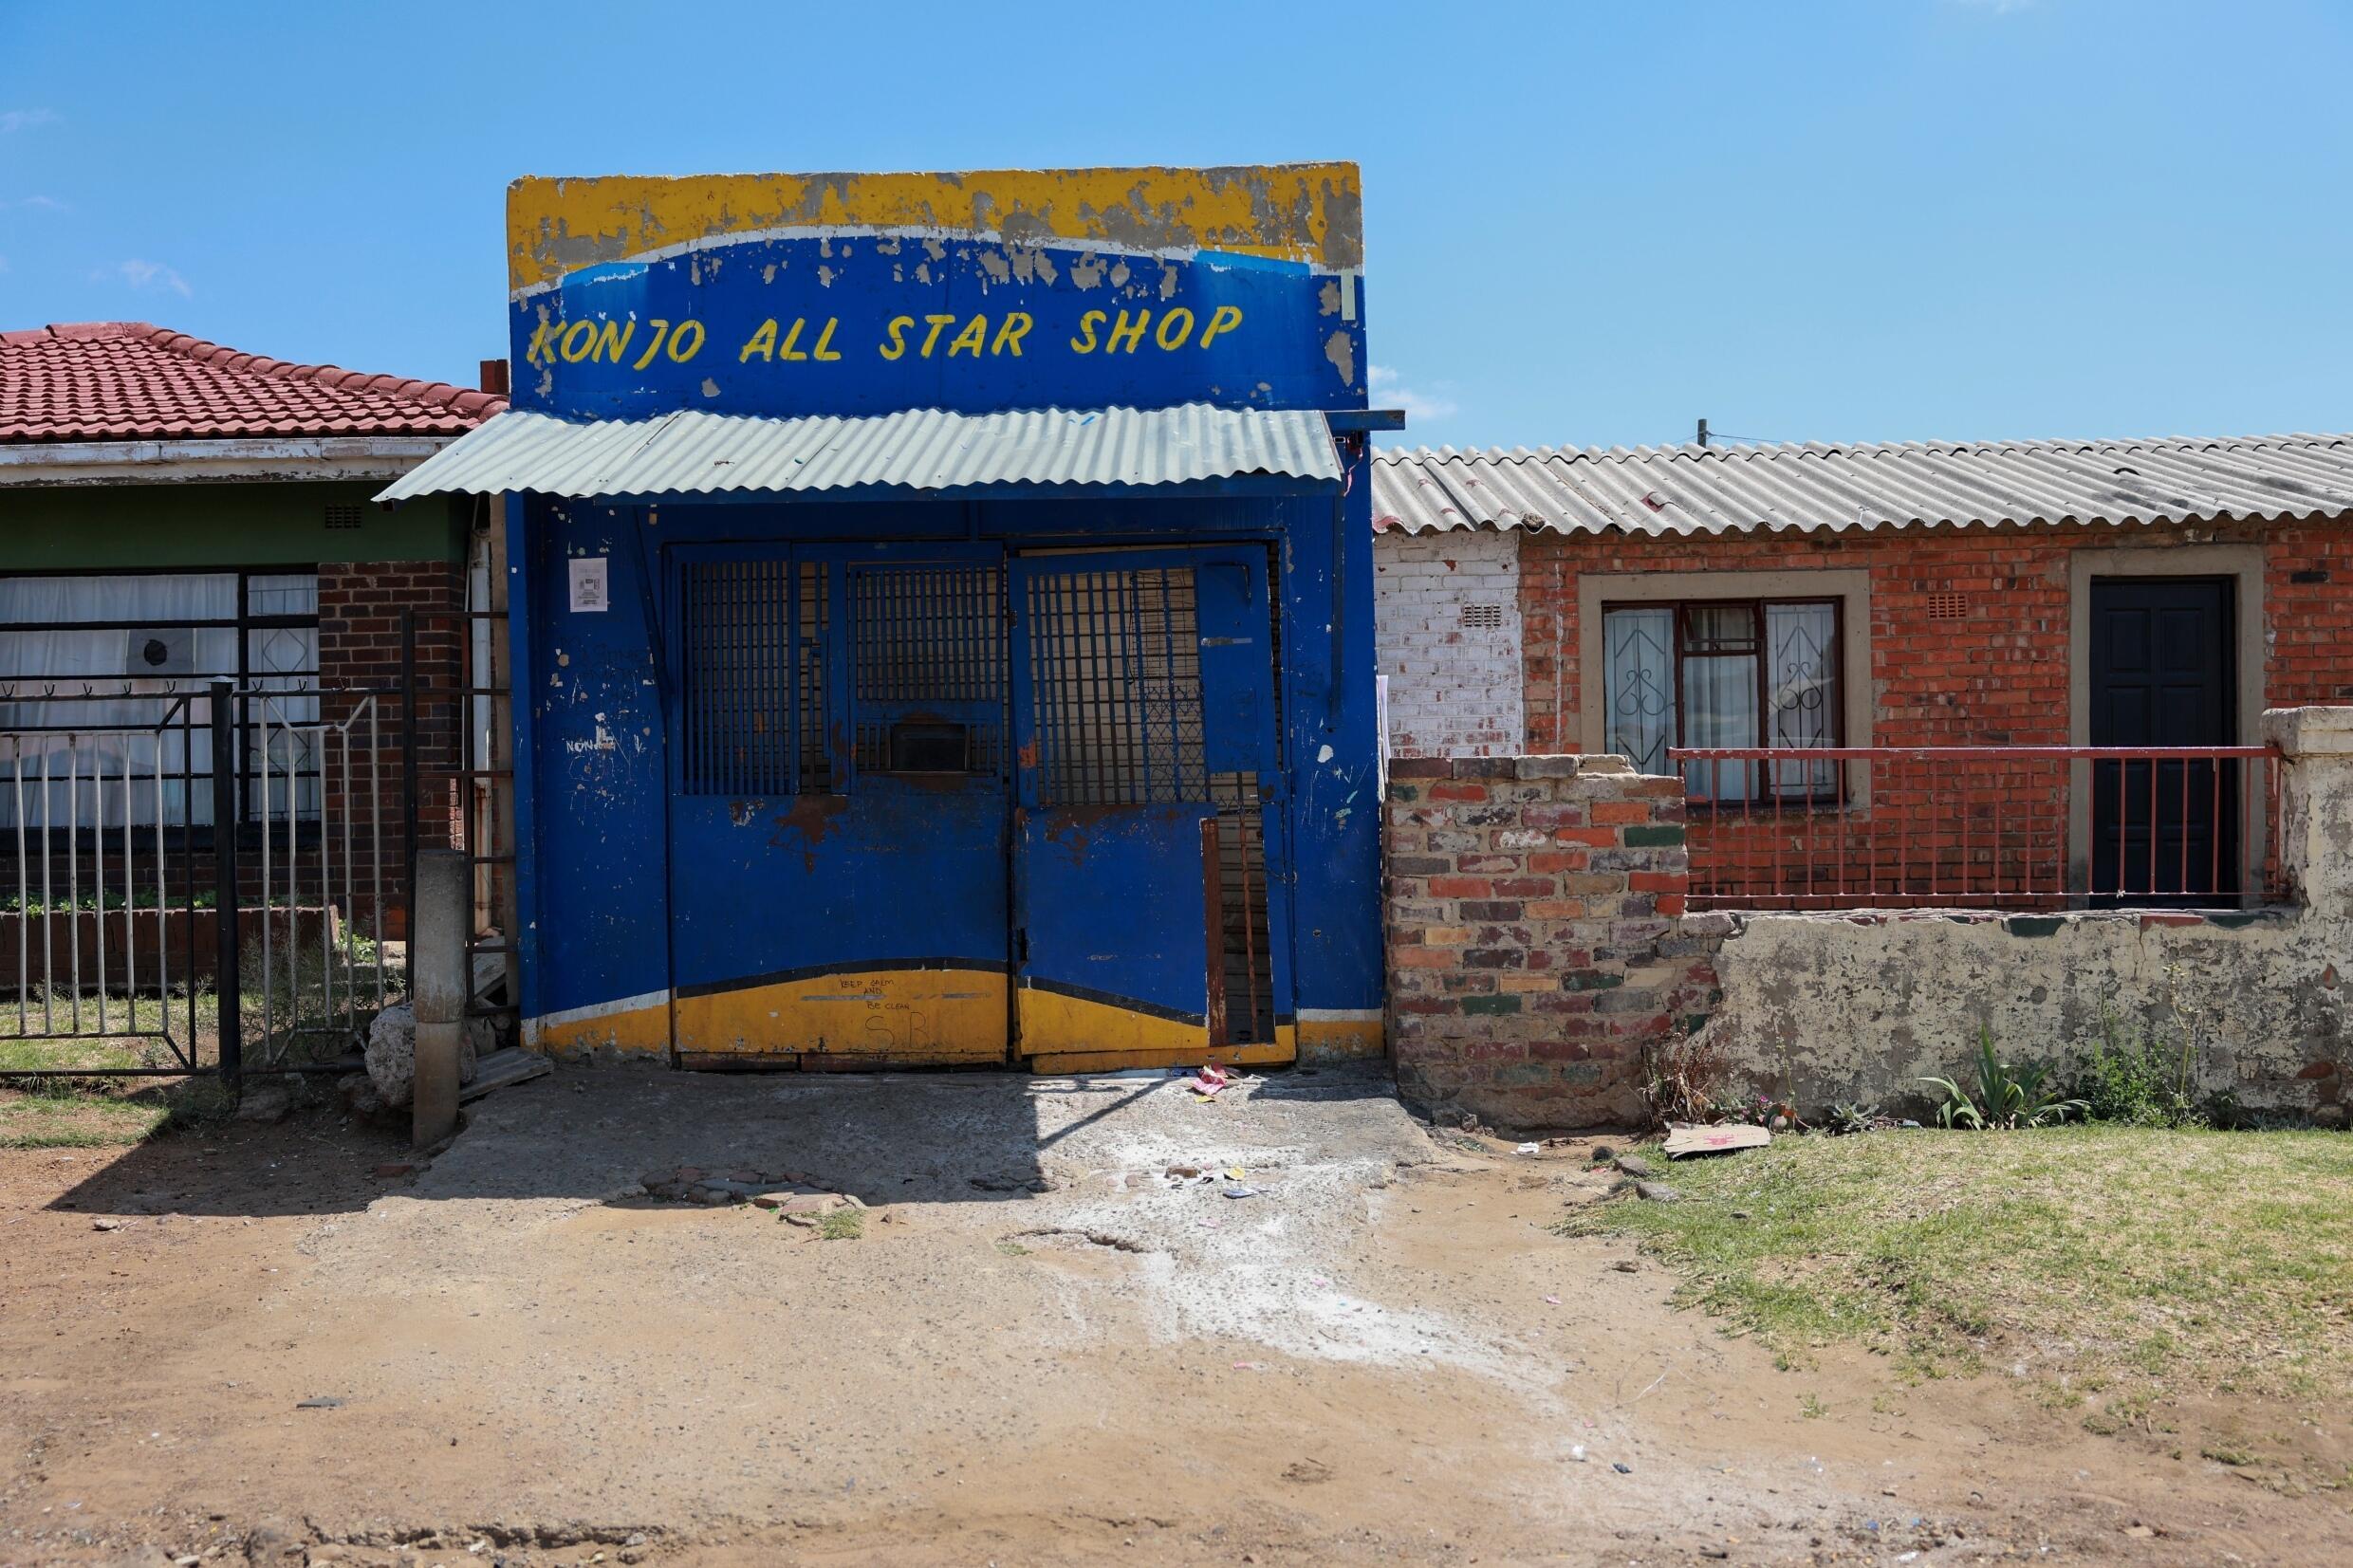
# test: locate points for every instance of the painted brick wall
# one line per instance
(1453, 690)
(359, 605)
(1997, 677)
(1537, 942)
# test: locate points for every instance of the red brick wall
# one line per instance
(359, 605)
(1536, 942)
(1998, 677)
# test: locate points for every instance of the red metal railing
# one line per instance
(2016, 827)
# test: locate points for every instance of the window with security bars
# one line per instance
(1731, 674)
(134, 641)
(753, 682)
(1115, 670)
(930, 669)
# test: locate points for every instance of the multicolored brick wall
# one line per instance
(1537, 942)
(1995, 674)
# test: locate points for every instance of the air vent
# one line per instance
(343, 514)
(1948, 606)
(1482, 617)
(2309, 575)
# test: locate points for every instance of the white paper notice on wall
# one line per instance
(589, 585)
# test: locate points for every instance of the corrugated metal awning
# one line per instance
(693, 454)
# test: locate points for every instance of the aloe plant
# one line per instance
(2006, 1096)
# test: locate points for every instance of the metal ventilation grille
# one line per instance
(1481, 618)
(752, 683)
(342, 514)
(1115, 662)
(930, 692)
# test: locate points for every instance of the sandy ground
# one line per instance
(1042, 1351)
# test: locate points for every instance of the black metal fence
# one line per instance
(205, 891)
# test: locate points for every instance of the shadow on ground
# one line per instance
(598, 1133)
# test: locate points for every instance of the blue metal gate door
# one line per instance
(1148, 929)
(839, 818)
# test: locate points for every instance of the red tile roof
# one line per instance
(128, 381)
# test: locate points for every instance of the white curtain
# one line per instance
(1637, 686)
(56, 750)
(1801, 683)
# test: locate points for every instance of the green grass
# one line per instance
(2124, 1265)
(78, 1122)
(842, 1225)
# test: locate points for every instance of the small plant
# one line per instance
(842, 1225)
(2007, 1097)
(2136, 1078)
(1686, 1081)
(1851, 1116)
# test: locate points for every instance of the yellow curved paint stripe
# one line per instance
(639, 1029)
(1073, 1034)
(1295, 212)
(933, 1015)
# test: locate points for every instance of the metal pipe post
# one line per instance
(437, 967)
(228, 1003)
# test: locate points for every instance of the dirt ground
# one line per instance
(1042, 1350)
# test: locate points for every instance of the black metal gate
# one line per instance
(227, 888)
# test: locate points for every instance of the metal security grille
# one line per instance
(752, 686)
(1116, 668)
(1233, 856)
(930, 689)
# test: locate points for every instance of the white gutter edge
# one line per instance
(54, 464)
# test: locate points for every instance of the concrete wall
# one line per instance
(1542, 957)
(1818, 1008)
(1454, 681)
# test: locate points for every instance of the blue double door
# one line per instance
(948, 805)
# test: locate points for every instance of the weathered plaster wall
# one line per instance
(1825, 1008)
(1453, 679)
(1540, 952)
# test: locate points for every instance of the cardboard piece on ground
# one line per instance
(1716, 1140)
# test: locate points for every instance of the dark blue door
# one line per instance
(1147, 926)
(2163, 676)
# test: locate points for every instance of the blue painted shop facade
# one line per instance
(941, 618)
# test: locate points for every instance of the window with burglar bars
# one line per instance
(930, 688)
(1738, 673)
(753, 637)
(137, 639)
(1115, 670)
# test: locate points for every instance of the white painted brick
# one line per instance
(1454, 690)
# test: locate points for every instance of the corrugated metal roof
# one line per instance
(690, 452)
(1692, 489)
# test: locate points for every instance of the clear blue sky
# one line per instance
(1586, 223)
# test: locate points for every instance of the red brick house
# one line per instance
(2014, 599)
(177, 512)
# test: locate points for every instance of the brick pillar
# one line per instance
(359, 605)
(1536, 942)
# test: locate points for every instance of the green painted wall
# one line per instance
(112, 527)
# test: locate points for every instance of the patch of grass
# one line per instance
(1013, 1248)
(77, 1121)
(842, 1225)
(2137, 1263)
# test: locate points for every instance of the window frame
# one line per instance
(1834, 794)
(245, 624)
